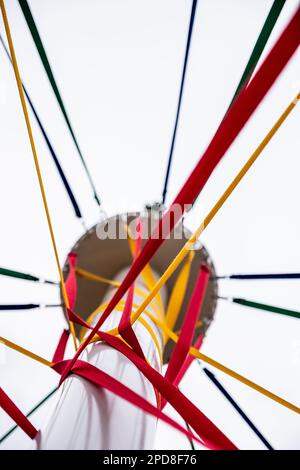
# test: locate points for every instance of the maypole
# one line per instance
(139, 290)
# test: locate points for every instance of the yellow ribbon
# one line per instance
(189, 244)
(147, 273)
(36, 160)
(119, 308)
(25, 352)
(178, 293)
(94, 277)
(194, 352)
(181, 255)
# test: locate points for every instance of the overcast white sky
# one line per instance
(118, 64)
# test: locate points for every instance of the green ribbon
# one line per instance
(20, 275)
(11, 273)
(260, 44)
(252, 62)
(268, 308)
(43, 56)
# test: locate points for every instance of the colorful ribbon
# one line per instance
(43, 56)
(25, 276)
(209, 434)
(186, 57)
(266, 308)
(188, 361)
(24, 351)
(247, 73)
(26, 306)
(49, 145)
(224, 392)
(195, 353)
(207, 431)
(251, 277)
(260, 45)
(124, 327)
(35, 158)
(94, 277)
(212, 437)
(146, 274)
(71, 283)
(101, 379)
(61, 347)
(212, 213)
(178, 293)
(185, 339)
(13, 411)
(239, 113)
(36, 407)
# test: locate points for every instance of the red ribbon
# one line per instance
(61, 347)
(101, 379)
(71, 289)
(211, 436)
(71, 282)
(188, 362)
(184, 342)
(19, 418)
(125, 327)
(237, 116)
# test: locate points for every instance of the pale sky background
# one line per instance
(118, 65)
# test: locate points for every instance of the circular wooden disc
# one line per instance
(106, 257)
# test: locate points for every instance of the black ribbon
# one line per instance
(49, 145)
(213, 379)
(243, 277)
(26, 306)
(187, 50)
(43, 56)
